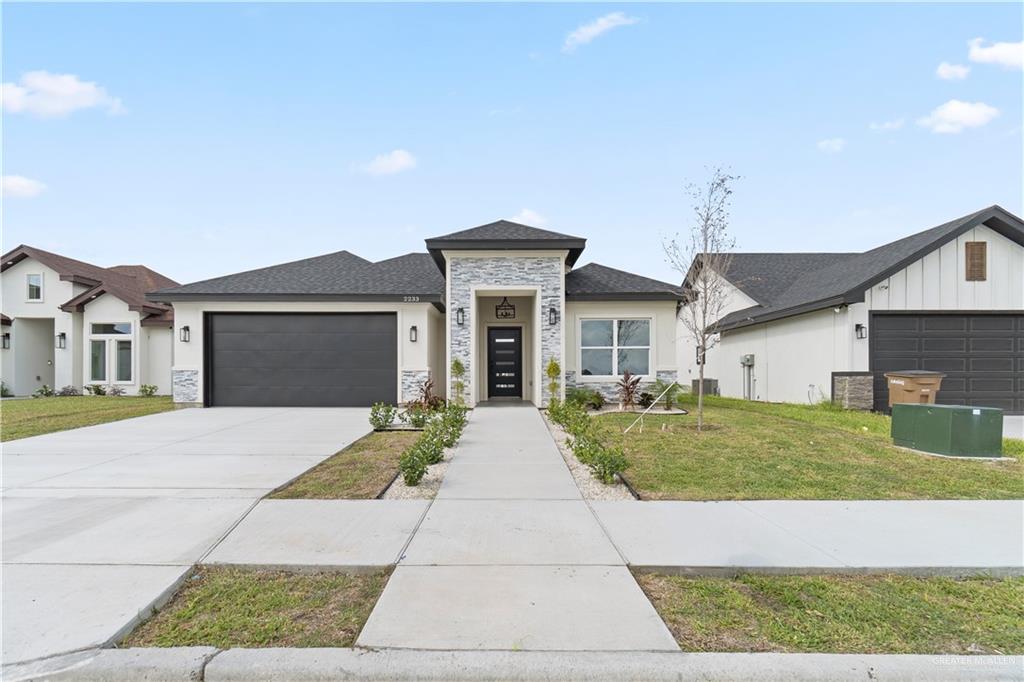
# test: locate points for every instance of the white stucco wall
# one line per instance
(412, 356)
(158, 342)
(663, 330)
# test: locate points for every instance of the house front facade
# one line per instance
(504, 299)
(71, 323)
(806, 327)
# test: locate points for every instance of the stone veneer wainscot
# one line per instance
(497, 272)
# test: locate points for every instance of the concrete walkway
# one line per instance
(99, 522)
(510, 557)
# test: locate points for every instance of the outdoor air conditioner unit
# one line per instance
(747, 360)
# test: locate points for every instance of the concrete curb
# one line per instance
(915, 571)
(111, 665)
(322, 665)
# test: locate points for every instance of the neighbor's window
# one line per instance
(109, 348)
(98, 360)
(976, 261)
(613, 347)
(35, 287)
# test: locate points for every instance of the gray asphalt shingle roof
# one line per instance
(504, 230)
(599, 282)
(844, 279)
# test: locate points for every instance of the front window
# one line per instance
(108, 347)
(35, 287)
(615, 346)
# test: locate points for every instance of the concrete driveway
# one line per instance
(99, 522)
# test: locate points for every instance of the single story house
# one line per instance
(802, 327)
(503, 298)
(70, 323)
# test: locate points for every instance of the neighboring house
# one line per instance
(69, 323)
(337, 329)
(804, 326)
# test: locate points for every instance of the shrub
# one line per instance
(555, 409)
(429, 447)
(629, 386)
(554, 374)
(95, 389)
(43, 391)
(427, 400)
(382, 415)
(5, 392)
(645, 400)
(415, 415)
(586, 447)
(606, 462)
(458, 383)
(413, 467)
(669, 388)
(147, 390)
(585, 397)
(113, 390)
(69, 391)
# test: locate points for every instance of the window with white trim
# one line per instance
(611, 347)
(110, 349)
(34, 287)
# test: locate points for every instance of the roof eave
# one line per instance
(573, 246)
(780, 314)
(411, 297)
(626, 296)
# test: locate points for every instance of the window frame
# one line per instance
(615, 347)
(110, 354)
(28, 286)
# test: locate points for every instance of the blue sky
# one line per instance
(218, 138)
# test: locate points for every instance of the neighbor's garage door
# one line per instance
(301, 360)
(981, 354)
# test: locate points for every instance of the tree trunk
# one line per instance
(700, 394)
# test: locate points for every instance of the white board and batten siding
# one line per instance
(938, 281)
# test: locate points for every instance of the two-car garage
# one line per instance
(981, 354)
(300, 359)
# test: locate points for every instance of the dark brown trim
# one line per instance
(79, 279)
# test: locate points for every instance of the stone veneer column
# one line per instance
(185, 386)
(506, 272)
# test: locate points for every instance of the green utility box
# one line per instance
(958, 430)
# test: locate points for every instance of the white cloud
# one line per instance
(832, 145)
(48, 95)
(888, 126)
(393, 162)
(1009, 55)
(952, 72)
(954, 116)
(588, 32)
(20, 186)
(530, 217)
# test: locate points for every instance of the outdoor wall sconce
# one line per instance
(6, 341)
(552, 315)
(412, 333)
(860, 331)
(61, 341)
(460, 316)
(185, 334)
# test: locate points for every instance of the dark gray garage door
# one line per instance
(981, 354)
(301, 360)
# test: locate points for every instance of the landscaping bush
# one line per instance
(147, 390)
(415, 415)
(629, 387)
(382, 415)
(43, 391)
(645, 400)
(585, 397)
(606, 462)
(5, 392)
(68, 391)
(95, 389)
(553, 371)
(412, 466)
(458, 382)
(115, 390)
(670, 389)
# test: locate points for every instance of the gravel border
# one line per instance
(590, 487)
(428, 487)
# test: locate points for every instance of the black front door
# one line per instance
(505, 362)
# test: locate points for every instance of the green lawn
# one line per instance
(842, 614)
(229, 607)
(32, 417)
(771, 451)
(360, 471)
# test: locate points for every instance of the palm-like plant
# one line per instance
(629, 389)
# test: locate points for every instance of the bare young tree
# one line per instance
(703, 258)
